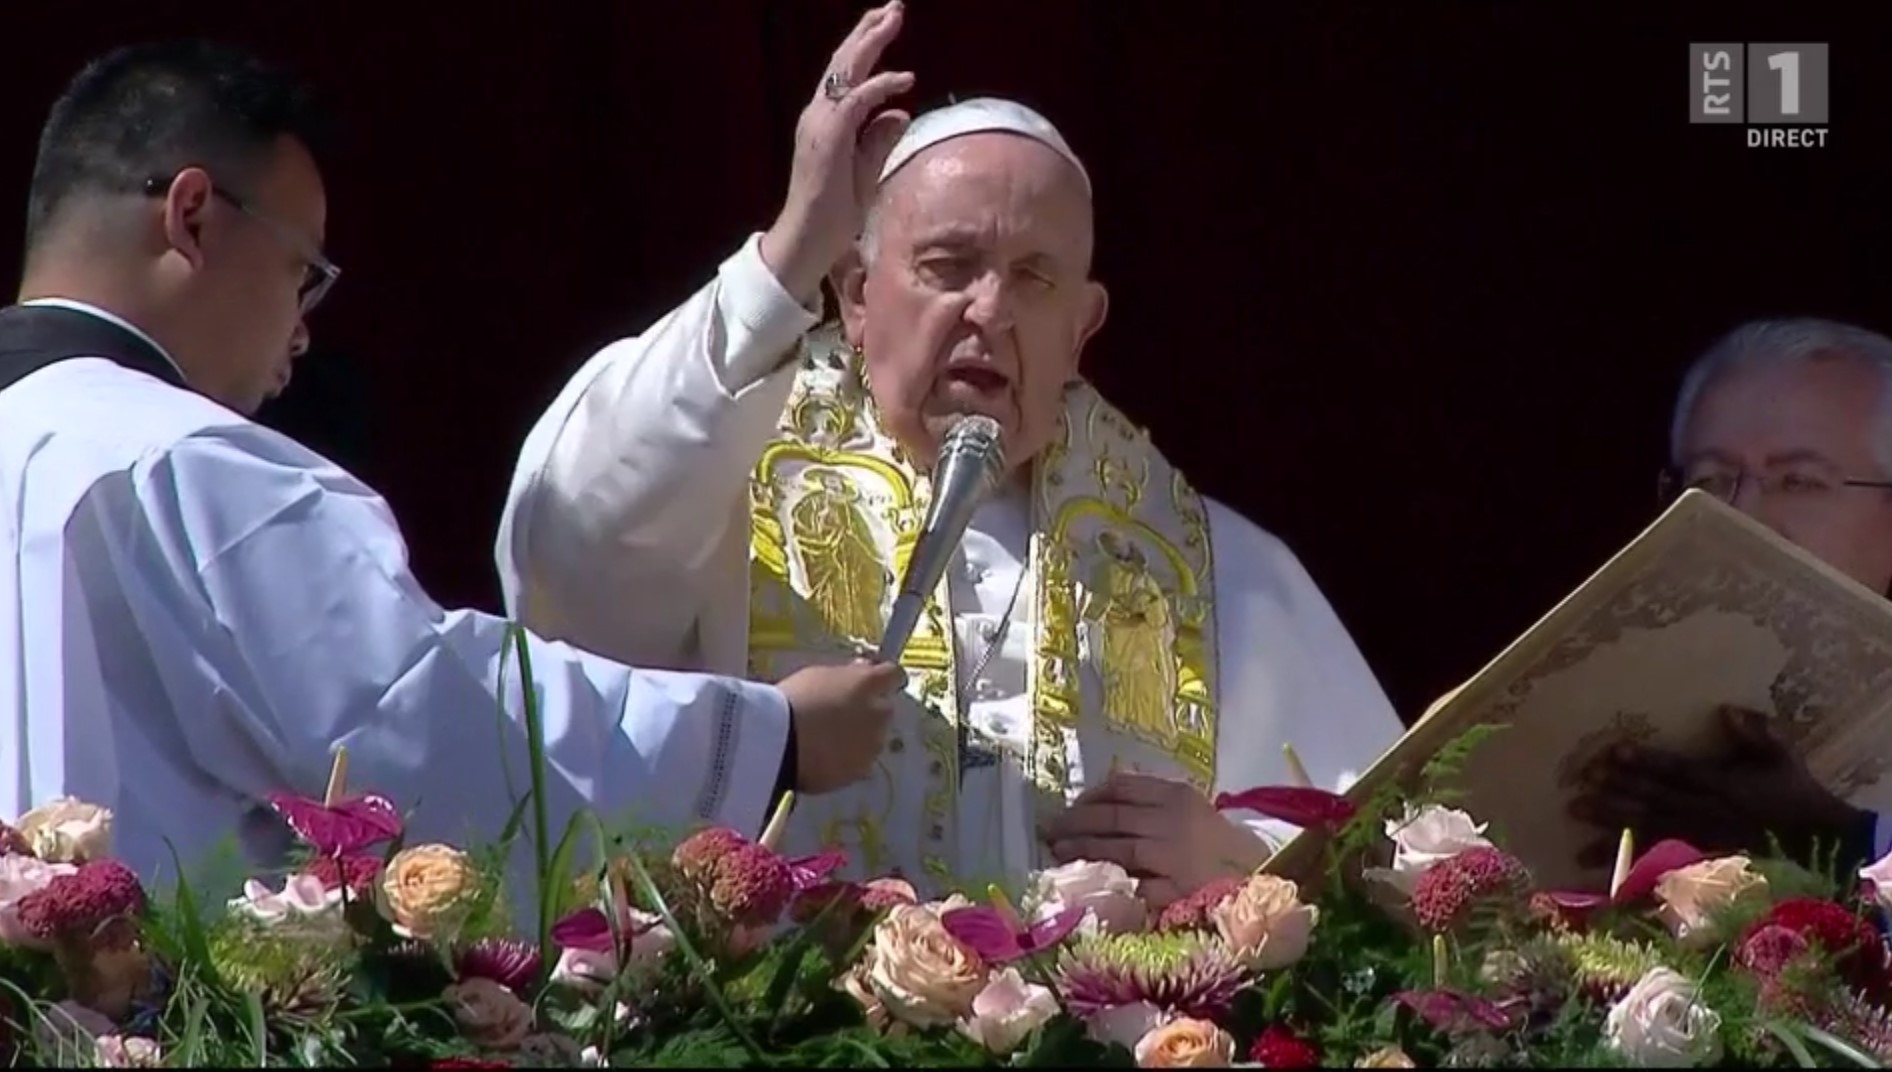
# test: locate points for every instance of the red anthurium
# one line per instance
(1643, 877)
(344, 828)
(1649, 868)
(1300, 805)
(812, 871)
(998, 939)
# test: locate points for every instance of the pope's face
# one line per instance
(1784, 438)
(977, 296)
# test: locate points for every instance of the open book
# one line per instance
(1706, 607)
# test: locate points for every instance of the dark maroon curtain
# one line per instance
(1409, 284)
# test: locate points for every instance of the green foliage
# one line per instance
(228, 991)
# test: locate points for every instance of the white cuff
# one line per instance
(746, 758)
(765, 320)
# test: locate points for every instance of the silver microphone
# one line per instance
(970, 461)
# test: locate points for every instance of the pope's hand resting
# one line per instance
(1164, 832)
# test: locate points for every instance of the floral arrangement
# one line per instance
(1427, 945)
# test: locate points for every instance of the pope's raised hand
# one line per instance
(841, 141)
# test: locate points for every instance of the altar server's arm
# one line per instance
(1291, 673)
(629, 502)
(287, 583)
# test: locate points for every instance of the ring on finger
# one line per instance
(835, 86)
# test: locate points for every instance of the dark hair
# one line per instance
(151, 110)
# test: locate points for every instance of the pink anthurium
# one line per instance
(1300, 805)
(998, 938)
(344, 828)
(589, 930)
(1451, 1012)
(812, 871)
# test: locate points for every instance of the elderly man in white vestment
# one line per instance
(737, 490)
(200, 610)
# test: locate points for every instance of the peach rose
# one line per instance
(427, 889)
(1692, 896)
(1008, 1010)
(19, 876)
(923, 975)
(68, 831)
(489, 1014)
(1104, 890)
(873, 1010)
(1385, 1057)
(1266, 923)
(1186, 1043)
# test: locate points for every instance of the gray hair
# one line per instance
(1781, 342)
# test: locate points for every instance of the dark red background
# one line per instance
(1411, 285)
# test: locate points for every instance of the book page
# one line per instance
(1705, 608)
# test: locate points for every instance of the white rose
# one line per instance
(1425, 839)
(68, 831)
(19, 876)
(1662, 1023)
(1006, 1011)
(1104, 890)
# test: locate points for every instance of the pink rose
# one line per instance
(1265, 923)
(1008, 1010)
(1105, 890)
(121, 1051)
(304, 904)
(1186, 1043)
(1124, 1025)
(20, 876)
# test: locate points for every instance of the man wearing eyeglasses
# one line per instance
(201, 610)
(1790, 421)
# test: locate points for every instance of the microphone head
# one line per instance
(975, 438)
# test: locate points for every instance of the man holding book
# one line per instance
(1789, 421)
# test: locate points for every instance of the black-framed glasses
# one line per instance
(1725, 485)
(319, 273)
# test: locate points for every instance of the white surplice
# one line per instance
(626, 530)
(200, 609)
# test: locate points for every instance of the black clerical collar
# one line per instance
(34, 336)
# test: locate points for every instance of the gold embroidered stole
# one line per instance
(1123, 667)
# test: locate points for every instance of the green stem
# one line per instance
(698, 966)
(541, 819)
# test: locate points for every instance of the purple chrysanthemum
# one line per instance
(507, 961)
(1186, 972)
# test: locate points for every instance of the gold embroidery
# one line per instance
(1137, 661)
(846, 580)
(1122, 671)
